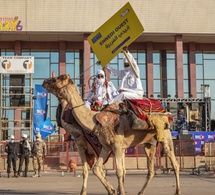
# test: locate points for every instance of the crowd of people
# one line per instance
(23, 153)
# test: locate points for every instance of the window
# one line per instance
(73, 65)
(171, 75)
(157, 73)
(44, 63)
(205, 68)
(186, 75)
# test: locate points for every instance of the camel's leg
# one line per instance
(124, 171)
(120, 168)
(97, 167)
(169, 151)
(85, 179)
(150, 154)
(85, 172)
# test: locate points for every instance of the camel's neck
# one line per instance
(63, 103)
(82, 114)
(74, 128)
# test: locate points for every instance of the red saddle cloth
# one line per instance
(141, 106)
(148, 104)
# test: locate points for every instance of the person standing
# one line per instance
(38, 151)
(12, 151)
(25, 150)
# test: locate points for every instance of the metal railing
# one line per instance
(60, 153)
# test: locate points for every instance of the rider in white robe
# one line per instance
(104, 91)
(130, 86)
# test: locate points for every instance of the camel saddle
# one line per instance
(139, 106)
(137, 111)
(143, 106)
(109, 123)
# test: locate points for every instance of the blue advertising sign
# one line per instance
(206, 136)
(46, 128)
(199, 137)
(40, 107)
(198, 146)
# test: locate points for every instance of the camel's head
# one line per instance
(48, 85)
(55, 84)
(61, 81)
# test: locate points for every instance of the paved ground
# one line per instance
(54, 183)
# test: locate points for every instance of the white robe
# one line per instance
(90, 95)
(101, 94)
(130, 84)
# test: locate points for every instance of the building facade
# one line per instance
(175, 53)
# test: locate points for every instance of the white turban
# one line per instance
(24, 135)
(38, 136)
(130, 57)
(100, 72)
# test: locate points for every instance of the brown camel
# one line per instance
(84, 148)
(76, 130)
(114, 138)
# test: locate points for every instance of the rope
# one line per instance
(76, 107)
(98, 63)
(87, 69)
(150, 110)
(68, 103)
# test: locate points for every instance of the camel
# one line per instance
(115, 138)
(76, 130)
(84, 148)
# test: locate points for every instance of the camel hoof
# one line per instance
(178, 192)
(113, 192)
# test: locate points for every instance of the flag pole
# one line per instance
(129, 61)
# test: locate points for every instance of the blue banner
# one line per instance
(206, 136)
(199, 137)
(46, 128)
(40, 107)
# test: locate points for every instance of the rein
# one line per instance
(72, 90)
(86, 70)
(76, 107)
(65, 85)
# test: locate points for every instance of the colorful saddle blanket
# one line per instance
(90, 137)
(147, 105)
